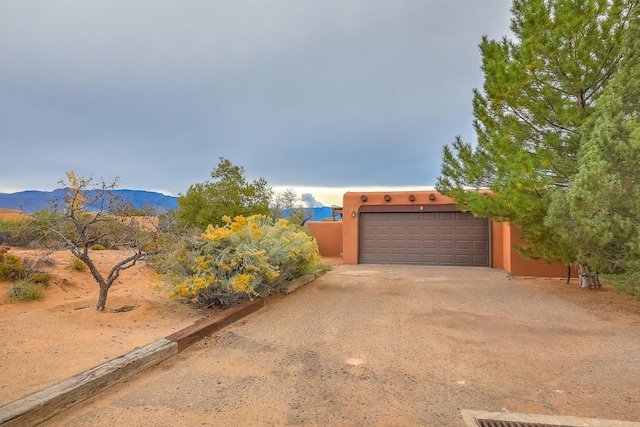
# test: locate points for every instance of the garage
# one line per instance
(424, 238)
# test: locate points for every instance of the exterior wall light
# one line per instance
(353, 214)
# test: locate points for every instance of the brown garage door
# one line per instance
(424, 238)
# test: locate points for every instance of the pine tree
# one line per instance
(539, 89)
(598, 214)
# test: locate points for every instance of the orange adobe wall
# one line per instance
(517, 265)
(503, 236)
(353, 203)
(328, 234)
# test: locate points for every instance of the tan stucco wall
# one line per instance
(328, 234)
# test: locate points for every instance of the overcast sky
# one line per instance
(321, 96)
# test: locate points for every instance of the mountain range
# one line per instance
(32, 200)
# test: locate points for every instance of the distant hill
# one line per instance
(31, 201)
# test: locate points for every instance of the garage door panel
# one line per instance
(430, 244)
(368, 243)
(479, 231)
(481, 260)
(413, 244)
(430, 229)
(446, 259)
(446, 229)
(399, 244)
(481, 245)
(414, 258)
(463, 216)
(446, 244)
(463, 259)
(463, 244)
(427, 238)
(463, 230)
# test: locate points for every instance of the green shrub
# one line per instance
(97, 248)
(11, 267)
(11, 225)
(25, 291)
(76, 263)
(625, 283)
(246, 257)
(40, 277)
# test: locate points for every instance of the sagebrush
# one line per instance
(245, 258)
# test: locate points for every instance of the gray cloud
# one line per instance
(311, 201)
(316, 93)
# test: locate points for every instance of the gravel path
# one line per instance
(382, 345)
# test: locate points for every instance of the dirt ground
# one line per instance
(476, 339)
(43, 342)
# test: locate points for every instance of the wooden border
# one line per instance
(194, 333)
(40, 406)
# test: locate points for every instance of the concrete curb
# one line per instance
(45, 404)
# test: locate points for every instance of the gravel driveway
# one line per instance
(388, 345)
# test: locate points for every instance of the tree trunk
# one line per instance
(588, 278)
(102, 298)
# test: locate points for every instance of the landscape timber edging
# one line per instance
(299, 282)
(203, 327)
(42, 405)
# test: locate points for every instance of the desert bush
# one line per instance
(14, 268)
(244, 258)
(11, 225)
(97, 247)
(624, 283)
(77, 264)
(24, 290)
(11, 267)
(33, 270)
(9, 232)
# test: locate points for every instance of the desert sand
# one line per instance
(43, 342)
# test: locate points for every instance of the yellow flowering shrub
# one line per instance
(246, 257)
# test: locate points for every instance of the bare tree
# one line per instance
(288, 200)
(91, 214)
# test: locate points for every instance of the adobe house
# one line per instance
(423, 228)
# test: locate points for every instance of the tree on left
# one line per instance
(90, 213)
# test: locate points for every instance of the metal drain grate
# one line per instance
(504, 423)
(514, 419)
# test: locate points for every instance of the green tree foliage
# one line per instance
(598, 215)
(539, 90)
(228, 194)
